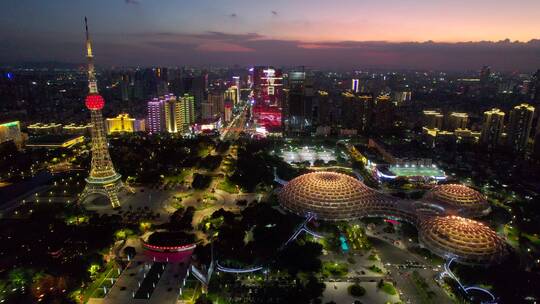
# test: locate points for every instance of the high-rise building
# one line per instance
(232, 94)
(124, 124)
(351, 111)
(457, 120)
(534, 87)
(187, 111)
(11, 131)
(44, 128)
(155, 116)
(238, 88)
(217, 99)
(401, 97)
(124, 87)
(103, 179)
(433, 119)
(207, 110)
(162, 84)
(485, 74)
(492, 128)
(536, 146)
(75, 129)
(179, 113)
(228, 111)
(519, 127)
(298, 102)
(325, 109)
(355, 87)
(196, 86)
(384, 113)
(172, 114)
(367, 112)
(267, 85)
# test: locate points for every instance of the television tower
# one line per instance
(103, 179)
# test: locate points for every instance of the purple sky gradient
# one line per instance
(423, 34)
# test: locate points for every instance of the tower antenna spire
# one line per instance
(92, 81)
(86, 26)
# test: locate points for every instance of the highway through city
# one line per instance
(235, 127)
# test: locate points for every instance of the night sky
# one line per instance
(426, 34)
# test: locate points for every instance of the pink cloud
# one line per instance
(219, 46)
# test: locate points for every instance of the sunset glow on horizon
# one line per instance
(179, 31)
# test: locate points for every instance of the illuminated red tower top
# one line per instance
(93, 101)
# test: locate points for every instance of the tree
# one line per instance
(295, 258)
(202, 299)
(201, 181)
(130, 251)
(20, 277)
(356, 290)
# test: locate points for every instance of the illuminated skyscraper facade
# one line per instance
(155, 116)
(433, 119)
(534, 87)
(384, 113)
(355, 87)
(238, 88)
(492, 128)
(536, 146)
(124, 124)
(519, 127)
(173, 120)
(457, 120)
(298, 102)
(187, 111)
(11, 131)
(267, 85)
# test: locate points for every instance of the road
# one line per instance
(337, 292)
(394, 257)
(236, 126)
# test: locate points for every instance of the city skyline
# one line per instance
(388, 34)
(269, 152)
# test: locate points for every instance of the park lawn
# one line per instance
(335, 269)
(511, 235)
(425, 293)
(95, 290)
(374, 268)
(217, 298)
(227, 186)
(534, 239)
(190, 292)
(179, 177)
(389, 288)
(204, 205)
(373, 257)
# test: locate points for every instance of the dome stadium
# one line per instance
(459, 200)
(335, 196)
(466, 240)
(332, 196)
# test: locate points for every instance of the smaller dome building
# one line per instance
(459, 200)
(468, 241)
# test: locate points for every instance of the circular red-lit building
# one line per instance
(458, 200)
(466, 240)
(94, 102)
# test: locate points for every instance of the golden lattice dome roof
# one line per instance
(461, 199)
(462, 238)
(333, 196)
